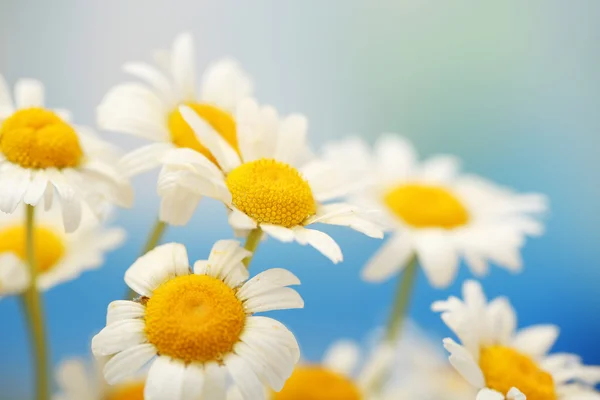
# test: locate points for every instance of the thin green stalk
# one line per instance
(153, 239)
(252, 243)
(34, 313)
(402, 301)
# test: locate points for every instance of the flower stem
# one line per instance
(251, 244)
(402, 300)
(153, 239)
(34, 313)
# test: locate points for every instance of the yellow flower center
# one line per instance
(504, 368)
(271, 192)
(38, 138)
(221, 121)
(128, 391)
(49, 247)
(318, 383)
(424, 206)
(194, 318)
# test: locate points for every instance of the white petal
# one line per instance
(280, 233)
(29, 93)
(489, 394)
(239, 220)
(440, 168)
(13, 186)
(214, 382)
(502, 320)
(143, 159)
(177, 203)
(184, 157)
(37, 186)
(70, 200)
(536, 340)
(390, 259)
(320, 241)
(342, 357)
(346, 215)
(170, 379)
(437, 256)
(153, 77)
(377, 365)
(256, 130)
(157, 266)
(73, 380)
(244, 378)
(273, 372)
(119, 336)
(265, 281)
(225, 84)
(272, 330)
(226, 258)
(14, 274)
(276, 299)
(515, 394)
(292, 138)
(396, 157)
(183, 66)
(126, 364)
(464, 363)
(225, 155)
(124, 309)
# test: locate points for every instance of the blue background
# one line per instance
(512, 87)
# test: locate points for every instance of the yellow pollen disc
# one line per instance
(128, 391)
(194, 318)
(317, 383)
(49, 246)
(425, 206)
(504, 368)
(271, 192)
(183, 136)
(38, 138)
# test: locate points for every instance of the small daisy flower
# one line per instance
(340, 376)
(43, 154)
(272, 183)
(60, 256)
(150, 110)
(76, 381)
(197, 326)
(434, 213)
(505, 363)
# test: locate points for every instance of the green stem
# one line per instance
(153, 239)
(252, 243)
(34, 313)
(401, 301)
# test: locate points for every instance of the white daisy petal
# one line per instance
(177, 203)
(280, 233)
(170, 379)
(502, 319)
(70, 202)
(320, 241)
(183, 66)
(214, 383)
(123, 309)
(225, 84)
(226, 258)
(143, 159)
(29, 93)
(342, 357)
(266, 281)
(292, 138)
(277, 299)
(73, 381)
(489, 394)
(441, 168)
(271, 370)
(244, 377)
(239, 220)
(345, 215)
(14, 274)
(153, 77)
(37, 186)
(13, 187)
(271, 329)
(125, 364)
(536, 340)
(395, 155)
(118, 337)
(515, 394)
(390, 259)
(437, 256)
(464, 363)
(377, 365)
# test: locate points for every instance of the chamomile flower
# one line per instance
(60, 256)
(198, 326)
(77, 381)
(270, 183)
(150, 110)
(43, 154)
(434, 213)
(340, 376)
(502, 362)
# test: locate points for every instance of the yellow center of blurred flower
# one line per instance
(38, 138)
(221, 121)
(271, 192)
(49, 247)
(504, 368)
(194, 318)
(423, 206)
(318, 383)
(128, 391)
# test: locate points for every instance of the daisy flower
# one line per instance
(434, 213)
(271, 183)
(198, 326)
(43, 154)
(60, 256)
(340, 376)
(76, 381)
(503, 362)
(150, 110)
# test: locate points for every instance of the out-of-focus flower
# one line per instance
(435, 213)
(269, 182)
(60, 256)
(150, 110)
(340, 376)
(77, 381)
(505, 363)
(201, 325)
(43, 154)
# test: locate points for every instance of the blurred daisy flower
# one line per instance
(270, 182)
(340, 376)
(503, 363)
(43, 154)
(77, 381)
(436, 214)
(150, 110)
(60, 256)
(197, 326)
